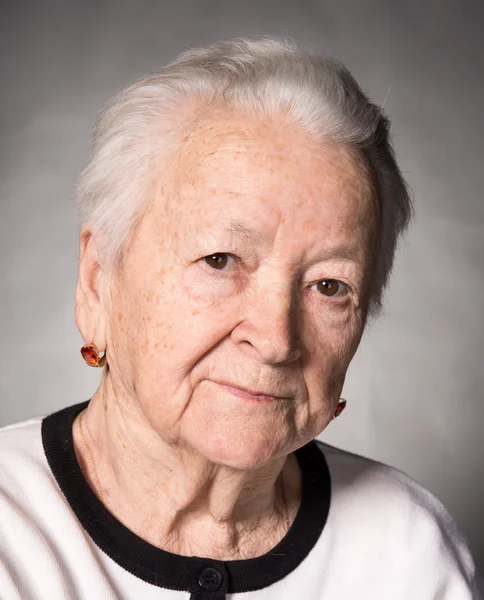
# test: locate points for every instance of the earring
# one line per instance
(340, 408)
(90, 354)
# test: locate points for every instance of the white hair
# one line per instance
(268, 77)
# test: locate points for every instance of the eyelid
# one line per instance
(337, 295)
(229, 254)
(348, 288)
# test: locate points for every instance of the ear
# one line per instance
(90, 308)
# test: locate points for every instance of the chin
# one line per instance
(236, 450)
(233, 432)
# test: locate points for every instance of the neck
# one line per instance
(176, 499)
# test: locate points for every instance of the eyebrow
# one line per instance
(247, 234)
(252, 236)
(346, 253)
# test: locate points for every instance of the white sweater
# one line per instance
(364, 531)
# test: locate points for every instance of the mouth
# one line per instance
(247, 394)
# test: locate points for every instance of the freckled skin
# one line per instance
(175, 326)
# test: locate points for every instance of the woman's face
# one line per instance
(250, 268)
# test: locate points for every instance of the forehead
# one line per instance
(267, 168)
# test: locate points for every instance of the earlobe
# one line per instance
(90, 317)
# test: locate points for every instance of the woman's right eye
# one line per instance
(218, 261)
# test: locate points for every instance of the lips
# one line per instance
(241, 390)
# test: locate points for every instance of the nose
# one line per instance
(269, 331)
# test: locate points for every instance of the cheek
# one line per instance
(324, 370)
(327, 360)
(172, 328)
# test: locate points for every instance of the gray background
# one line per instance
(416, 386)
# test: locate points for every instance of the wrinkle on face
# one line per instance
(302, 197)
(175, 443)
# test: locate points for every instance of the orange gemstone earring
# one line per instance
(340, 408)
(90, 354)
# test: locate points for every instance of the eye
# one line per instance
(332, 287)
(218, 261)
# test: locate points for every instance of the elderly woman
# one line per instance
(240, 214)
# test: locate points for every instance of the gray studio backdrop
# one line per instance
(416, 387)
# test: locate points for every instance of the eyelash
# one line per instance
(341, 284)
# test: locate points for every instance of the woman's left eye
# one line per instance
(332, 288)
(219, 260)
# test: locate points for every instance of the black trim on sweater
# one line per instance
(177, 572)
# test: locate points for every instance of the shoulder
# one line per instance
(381, 492)
(37, 528)
(374, 480)
(391, 517)
(22, 458)
(20, 439)
(369, 483)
